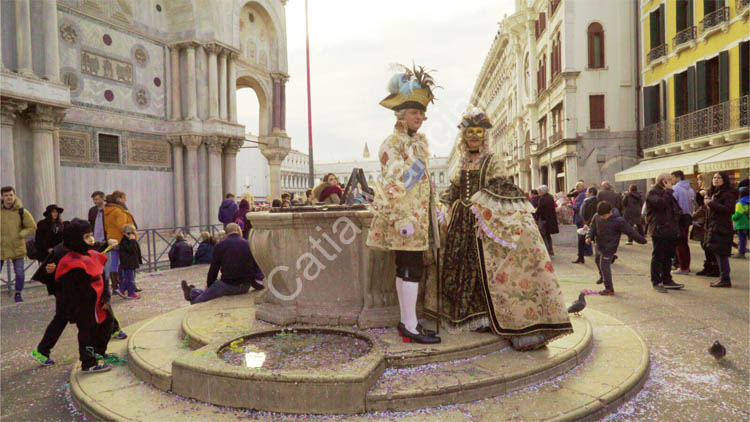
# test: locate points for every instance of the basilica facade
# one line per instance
(138, 96)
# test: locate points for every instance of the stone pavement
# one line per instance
(685, 382)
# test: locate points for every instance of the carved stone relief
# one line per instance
(148, 152)
(106, 67)
(75, 145)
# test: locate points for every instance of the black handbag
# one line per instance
(31, 251)
(686, 220)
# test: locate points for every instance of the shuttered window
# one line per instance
(596, 111)
(596, 45)
(650, 105)
(744, 66)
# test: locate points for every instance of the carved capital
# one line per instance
(10, 110)
(233, 145)
(174, 140)
(279, 77)
(212, 48)
(44, 117)
(214, 143)
(191, 142)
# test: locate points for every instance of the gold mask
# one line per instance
(474, 133)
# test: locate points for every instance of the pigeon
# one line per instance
(718, 351)
(577, 306)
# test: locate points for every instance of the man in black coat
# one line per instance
(608, 194)
(663, 214)
(235, 260)
(545, 213)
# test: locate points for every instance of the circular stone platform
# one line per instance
(582, 376)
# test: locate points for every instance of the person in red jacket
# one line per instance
(79, 274)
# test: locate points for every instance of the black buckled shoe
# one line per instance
(400, 327)
(721, 284)
(420, 338)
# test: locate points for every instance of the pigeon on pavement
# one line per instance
(718, 351)
(577, 306)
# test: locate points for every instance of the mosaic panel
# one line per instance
(148, 152)
(111, 68)
(75, 145)
(106, 67)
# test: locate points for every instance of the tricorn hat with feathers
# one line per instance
(410, 88)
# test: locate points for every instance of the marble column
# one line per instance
(192, 98)
(223, 85)
(213, 81)
(231, 149)
(178, 181)
(192, 203)
(174, 54)
(58, 177)
(232, 88)
(203, 181)
(282, 101)
(9, 111)
(23, 38)
(42, 121)
(275, 157)
(51, 44)
(276, 102)
(2, 63)
(215, 145)
(535, 175)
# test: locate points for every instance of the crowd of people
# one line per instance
(84, 262)
(672, 213)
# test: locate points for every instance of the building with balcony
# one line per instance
(696, 80)
(559, 84)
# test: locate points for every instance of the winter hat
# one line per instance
(51, 207)
(73, 232)
(410, 88)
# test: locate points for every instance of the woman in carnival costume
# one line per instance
(496, 273)
(404, 220)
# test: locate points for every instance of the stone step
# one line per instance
(615, 369)
(152, 348)
(496, 373)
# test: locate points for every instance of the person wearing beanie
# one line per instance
(80, 276)
(404, 203)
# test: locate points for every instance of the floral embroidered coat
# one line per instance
(518, 290)
(404, 195)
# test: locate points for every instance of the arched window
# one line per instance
(596, 46)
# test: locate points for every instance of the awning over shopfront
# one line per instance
(735, 158)
(648, 169)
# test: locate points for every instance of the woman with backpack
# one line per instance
(240, 218)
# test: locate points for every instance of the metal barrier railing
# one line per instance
(155, 244)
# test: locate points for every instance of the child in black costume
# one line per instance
(79, 275)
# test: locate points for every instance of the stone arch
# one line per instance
(261, 86)
(260, 35)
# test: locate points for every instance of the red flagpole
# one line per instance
(311, 176)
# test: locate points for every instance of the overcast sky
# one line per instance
(351, 45)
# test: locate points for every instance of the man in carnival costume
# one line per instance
(498, 278)
(404, 202)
